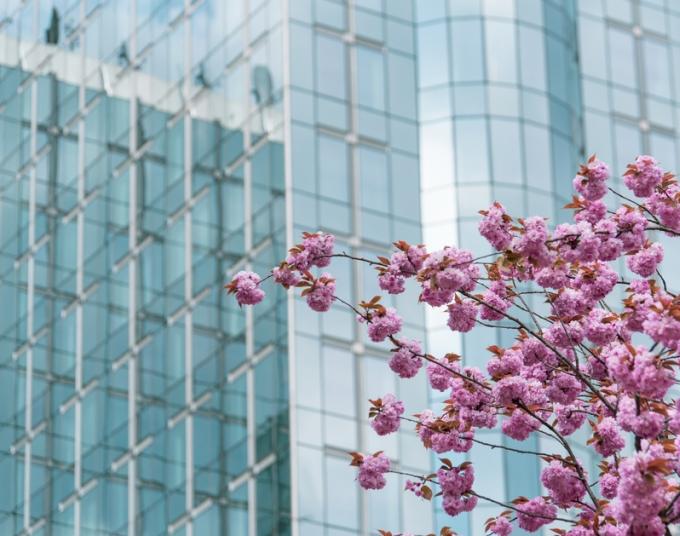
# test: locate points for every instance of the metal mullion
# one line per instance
(132, 281)
(28, 415)
(80, 231)
(188, 274)
(251, 452)
(352, 139)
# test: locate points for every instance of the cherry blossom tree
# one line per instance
(600, 356)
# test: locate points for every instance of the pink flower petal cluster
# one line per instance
(321, 294)
(660, 317)
(382, 323)
(455, 482)
(532, 244)
(570, 418)
(631, 224)
(403, 264)
(563, 483)
(510, 390)
(608, 439)
(246, 285)
(590, 211)
(372, 471)
(443, 435)
(591, 182)
(577, 242)
(520, 425)
(316, 250)
(501, 526)
(444, 272)
(645, 261)
(439, 374)
(285, 276)
(643, 176)
(496, 302)
(640, 494)
(564, 388)
(608, 485)
(406, 360)
(600, 326)
(534, 514)
(462, 315)
(496, 226)
(644, 423)
(387, 418)
(665, 205)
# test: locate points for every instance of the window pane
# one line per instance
(657, 69)
(471, 151)
(500, 51)
(333, 172)
(507, 165)
(374, 184)
(432, 57)
(338, 381)
(330, 67)
(622, 58)
(370, 78)
(466, 45)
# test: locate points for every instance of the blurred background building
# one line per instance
(149, 149)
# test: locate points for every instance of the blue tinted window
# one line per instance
(330, 67)
(466, 46)
(657, 68)
(501, 56)
(333, 168)
(370, 78)
(622, 58)
(433, 66)
(471, 150)
(374, 179)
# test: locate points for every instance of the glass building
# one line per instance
(513, 95)
(150, 149)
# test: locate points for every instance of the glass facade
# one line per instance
(513, 95)
(500, 119)
(151, 148)
(354, 164)
(630, 61)
(142, 163)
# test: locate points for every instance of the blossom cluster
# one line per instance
(594, 351)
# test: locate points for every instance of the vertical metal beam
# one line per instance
(80, 259)
(132, 277)
(188, 274)
(30, 297)
(251, 452)
(290, 299)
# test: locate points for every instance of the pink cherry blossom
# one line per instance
(585, 351)
(246, 286)
(372, 471)
(495, 226)
(322, 293)
(406, 360)
(534, 514)
(563, 483)
(462, 315)
(387, 417)
(382, 324)
(591, 180)
(643, 175)
(645, 261)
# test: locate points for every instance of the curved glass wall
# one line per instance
(500, 119)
